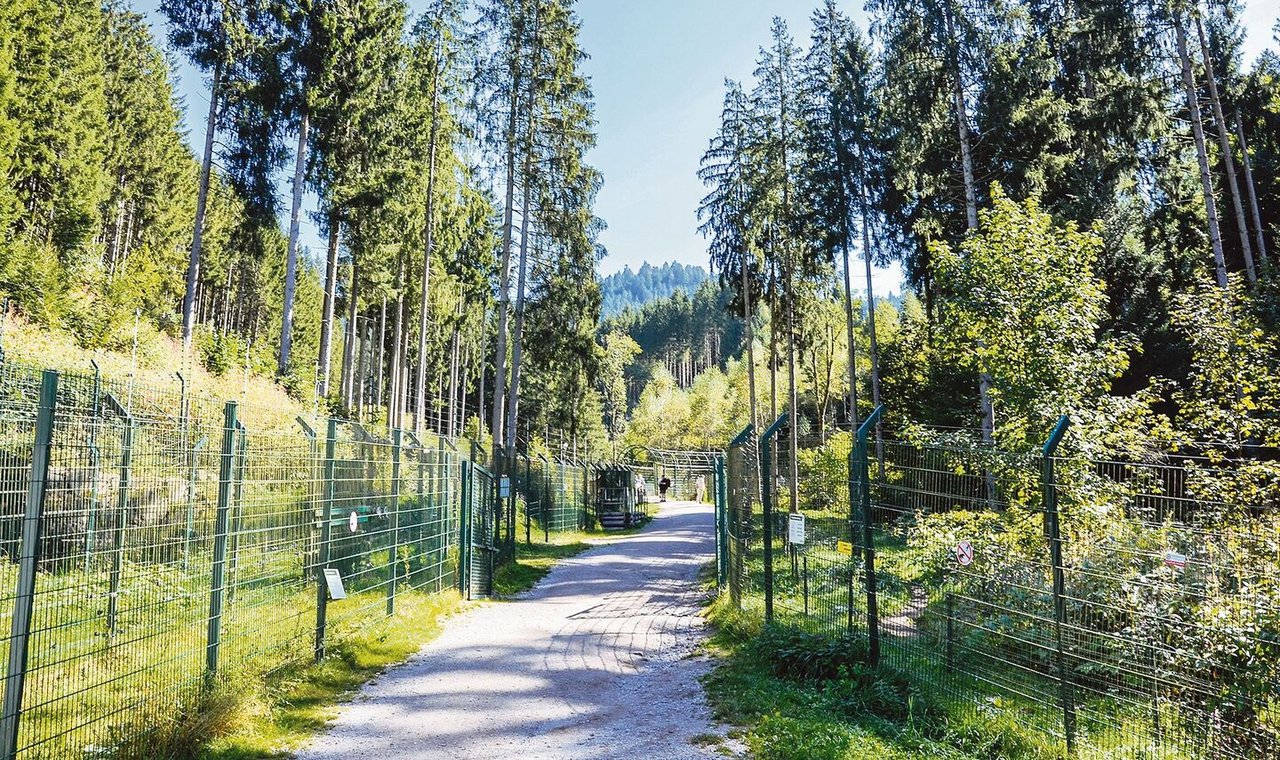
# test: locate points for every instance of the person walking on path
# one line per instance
(700, 485)
(663, 485)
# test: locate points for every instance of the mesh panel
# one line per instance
(1163, 639)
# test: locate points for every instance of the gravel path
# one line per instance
(597, 661)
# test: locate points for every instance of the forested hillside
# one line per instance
(628, 289)
(446, 145)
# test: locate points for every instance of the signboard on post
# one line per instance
(333, 581)
(964, 553)
(845, 548)
(795, 529)
(1175, 560)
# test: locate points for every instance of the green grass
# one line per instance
(789, 712)
(534, 561)
(249, 719)
(294, 703)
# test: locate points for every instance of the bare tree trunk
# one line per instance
(504, 280)
(871, 323)
(1202, 154)
(291, 257)
(395, 402)
(748, 316)
(1253, 191)
(348, 351)
(455, 347)
(962, 122)
(330, 298)
(202, 197)
(382, 357)
(792, 396)
(852, 347)
(420, 401)
(971, 217)
(1228, 162)
(363, 349)
(399, 360)
(513, 397)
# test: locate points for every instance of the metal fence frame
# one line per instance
(1024, 630)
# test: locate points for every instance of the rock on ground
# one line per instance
(598, 661)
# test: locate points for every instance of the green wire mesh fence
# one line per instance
(157, 542)
(1109, 607)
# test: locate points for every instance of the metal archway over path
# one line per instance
(687, 468)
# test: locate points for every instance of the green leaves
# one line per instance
(1020, 302)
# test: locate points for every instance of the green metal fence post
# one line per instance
(29, 557)
(863, 480)
(326, 529)
(122, 517)
(722, 525)
(734, 520)
(766, 500)
(394, 559)
(1054, 534)
(528, 502)
(226, 473)
(464, 535)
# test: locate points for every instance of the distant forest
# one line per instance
(628, 289)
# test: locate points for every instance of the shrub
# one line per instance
(804, 656)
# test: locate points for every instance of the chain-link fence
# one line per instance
(1107, 607)
(157, 542)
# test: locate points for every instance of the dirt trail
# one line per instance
(598, 661)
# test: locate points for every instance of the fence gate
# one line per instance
(481, 541)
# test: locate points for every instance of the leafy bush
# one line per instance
(824, 474)
(800, 655)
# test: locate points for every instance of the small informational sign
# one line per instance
(353, 522)
(504, 487)
(1175, 560)
(333, 580)
(964, 553)
(845, 548)
(795, 529)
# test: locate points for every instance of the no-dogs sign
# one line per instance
(964, 553)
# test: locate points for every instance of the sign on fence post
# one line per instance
(322, 561)
(395, 521)
(226, 473)
(29, 556)
(795, 529)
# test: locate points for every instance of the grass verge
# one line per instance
(534, 562)
(798, 696)
(278, 714)
(257, 719)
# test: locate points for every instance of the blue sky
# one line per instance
(658, 69)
